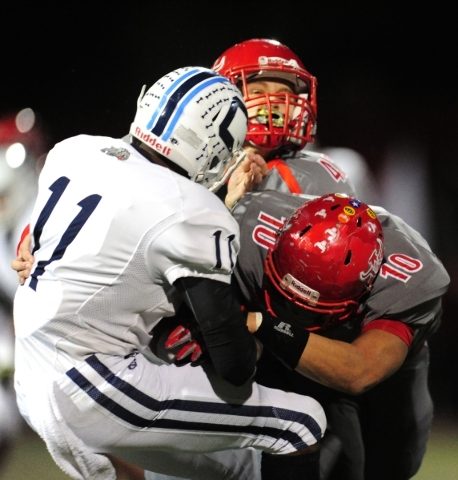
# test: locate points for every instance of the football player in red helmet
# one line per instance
(279, 92)
(353, 294)
(367, 288)
(280, 95)
(325, 260)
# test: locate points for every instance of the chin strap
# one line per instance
(241, 155)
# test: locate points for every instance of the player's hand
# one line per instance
(191, 350)
(178, 340)
(246, 177)
(22, 264)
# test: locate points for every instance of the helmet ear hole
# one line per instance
(305, 230)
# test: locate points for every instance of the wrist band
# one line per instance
(285, 341)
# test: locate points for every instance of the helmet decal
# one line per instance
(263, 61)
(375, 261)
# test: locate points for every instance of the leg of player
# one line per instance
(187, 410)
(125, 470)
(304, 464)
(407, 405)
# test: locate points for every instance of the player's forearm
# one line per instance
(223, 326)
(335, 364)
(352, 368)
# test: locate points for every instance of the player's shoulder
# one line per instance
(85, 147)
(308, 156)
(196, 198)
(271, 203)
(83, 140)
(410, 274)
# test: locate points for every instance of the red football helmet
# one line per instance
(258, 59)
(326, 257)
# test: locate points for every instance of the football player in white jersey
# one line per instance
(122, 234)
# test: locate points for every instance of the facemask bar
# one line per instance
(239, 155)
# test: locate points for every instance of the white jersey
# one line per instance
(112, 232)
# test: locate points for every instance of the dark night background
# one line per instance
(387, 75)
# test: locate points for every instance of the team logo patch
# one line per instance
(343, 218)
(349, 211)
(119, 153)
(371, 213)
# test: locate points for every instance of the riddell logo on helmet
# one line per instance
(303, 291)
(263, 61)
(151, 141)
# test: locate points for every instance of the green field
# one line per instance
(29, 459)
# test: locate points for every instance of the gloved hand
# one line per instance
(190, 338)
(178, 339)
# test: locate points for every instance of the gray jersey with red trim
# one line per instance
(315, 172)
(408, 288)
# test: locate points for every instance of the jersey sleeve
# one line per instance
(202, 241)
(410, 283)
(402, 330)
(411, 275)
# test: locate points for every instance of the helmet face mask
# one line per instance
(196, 119)
(270, 61)
(326, 258)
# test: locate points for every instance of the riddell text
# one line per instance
(152, 141)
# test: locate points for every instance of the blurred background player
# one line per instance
(23, 147)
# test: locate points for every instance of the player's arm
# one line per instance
(232, 349)
(349, 367)
(353, 367)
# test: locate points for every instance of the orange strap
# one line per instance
(286, 174)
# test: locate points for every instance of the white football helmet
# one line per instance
(194, 117)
